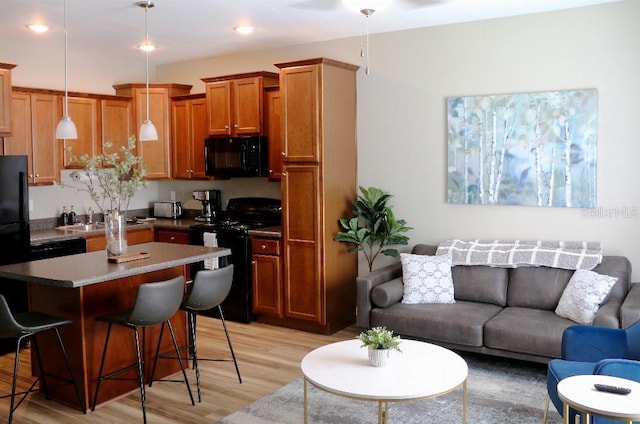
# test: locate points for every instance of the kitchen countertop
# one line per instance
(275, 232)
(90, 268)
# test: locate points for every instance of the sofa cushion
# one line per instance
(583, 295)
(481, 284)
(459, 322)
(386, 294)
(536, 287)
(526, 330)
(427, 279)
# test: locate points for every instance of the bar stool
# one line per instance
(155, 304)
(24, 325)
(209, 289)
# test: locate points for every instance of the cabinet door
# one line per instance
(247, 106)
(181, 139)
(302, 227)
(45, 115)
(84, 113)
(273, 113)
(171, 236)
(219, 106)
(300, 88)
(267, 285)
(5, 102)
(116, 124)
(198, 122)
(20, 141)
(155, 153)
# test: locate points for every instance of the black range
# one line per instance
(231, 228)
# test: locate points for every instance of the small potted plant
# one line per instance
(380, 342)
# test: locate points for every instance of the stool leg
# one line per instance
(184, 373)
(42, 377)
(157, 355)
(140, 373)
(226, 332)
(73, 377)
(99, 380)
(194, 351)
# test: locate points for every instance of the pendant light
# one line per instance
(66, 129)
(147, 130)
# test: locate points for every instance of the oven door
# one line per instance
(238, 304)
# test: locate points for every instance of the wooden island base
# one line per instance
(84, 339)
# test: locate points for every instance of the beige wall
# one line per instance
(402, 116)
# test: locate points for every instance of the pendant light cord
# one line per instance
(146, 43)
(66, 46)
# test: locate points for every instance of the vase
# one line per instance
(115, 231)
(379, 357)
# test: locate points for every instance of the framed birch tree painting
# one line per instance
(532, 149)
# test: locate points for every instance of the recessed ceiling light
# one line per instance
(244, 29)
(147, 47)
(38, 28)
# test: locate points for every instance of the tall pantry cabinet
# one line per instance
(319, 182)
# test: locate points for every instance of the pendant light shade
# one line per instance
(148, 131)
(66, 129)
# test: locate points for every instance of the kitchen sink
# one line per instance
(83, 228)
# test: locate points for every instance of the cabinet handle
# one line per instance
(235, 126)
(263, 247)
(37, 175)
(283, 154)
(226, 127)
(172, 238)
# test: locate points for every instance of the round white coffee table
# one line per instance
(577, 392)
(420, 371)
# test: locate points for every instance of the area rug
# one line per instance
(498, 391)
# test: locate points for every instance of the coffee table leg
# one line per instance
(383, 412)
(565, 412)
(305, 401)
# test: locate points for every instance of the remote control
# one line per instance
(612, 389)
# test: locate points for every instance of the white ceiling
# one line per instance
(188, 29)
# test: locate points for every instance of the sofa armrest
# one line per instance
(585, 343)
(366, 283)
(608, 314)
(630, 309)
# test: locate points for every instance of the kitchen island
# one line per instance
(84, 286)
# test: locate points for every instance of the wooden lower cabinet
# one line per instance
(171, 236)
(267, 276)
(137, 236)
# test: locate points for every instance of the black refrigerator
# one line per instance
(14, 230)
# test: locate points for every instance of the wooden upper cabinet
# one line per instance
(34, 117)
(84, 113)
(156, 154)
(300, 87)
(273, 121)
(117, 124)
(188, 132)
(5, 98)
(235, 103)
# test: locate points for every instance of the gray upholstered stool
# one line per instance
(23, 326)
(155, 304)
(209, 289)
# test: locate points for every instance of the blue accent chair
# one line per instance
(595, 350)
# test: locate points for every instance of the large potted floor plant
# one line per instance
(373, 226)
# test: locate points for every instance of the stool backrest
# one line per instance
(210, 288)
(9, 328)
(157, 302)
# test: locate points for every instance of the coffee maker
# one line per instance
(211, 203)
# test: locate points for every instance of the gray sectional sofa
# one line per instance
(508, 312)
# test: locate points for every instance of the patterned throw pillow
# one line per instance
(582, 297)
(427, 279)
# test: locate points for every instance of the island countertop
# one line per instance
(90, 268)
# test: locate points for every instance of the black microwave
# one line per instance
(236, 156)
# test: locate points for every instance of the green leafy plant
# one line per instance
(110, 179)
(373, 226)
(379, 338)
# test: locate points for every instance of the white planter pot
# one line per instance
(379, 357)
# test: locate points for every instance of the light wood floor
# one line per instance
(269, 357)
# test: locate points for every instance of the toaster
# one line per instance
(167, 209)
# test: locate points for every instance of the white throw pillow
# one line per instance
(427, 279)
(583, 295)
